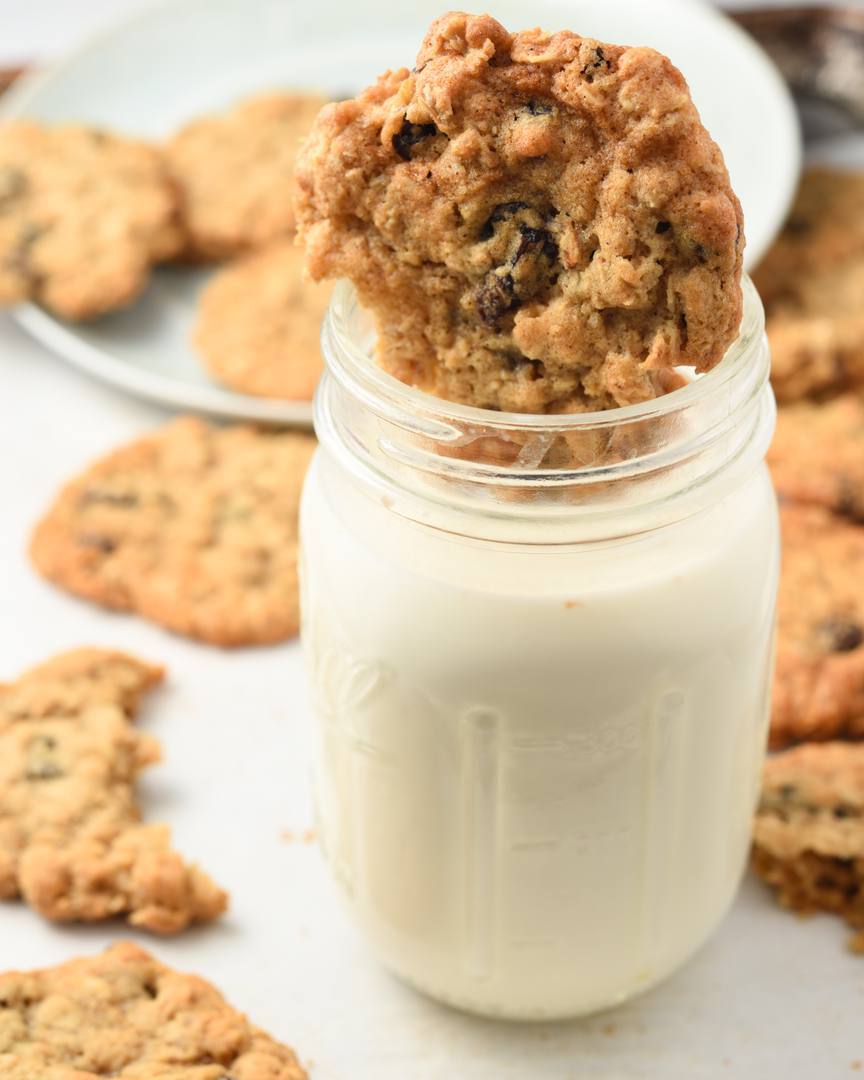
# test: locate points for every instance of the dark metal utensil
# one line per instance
(820, 52)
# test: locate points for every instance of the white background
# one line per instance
(766, 998)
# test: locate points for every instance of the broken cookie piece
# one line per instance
(71, 841)
(809, 832)
(538, 222)
(125, 1015)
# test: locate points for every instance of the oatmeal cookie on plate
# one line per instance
(234, 171)
(259, 325)
(84, 215)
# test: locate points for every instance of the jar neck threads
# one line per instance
(594, 474)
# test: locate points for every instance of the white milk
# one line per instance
(537, 767)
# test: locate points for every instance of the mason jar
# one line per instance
(540, 653)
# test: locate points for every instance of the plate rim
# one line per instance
(60, 337)
(154, 385)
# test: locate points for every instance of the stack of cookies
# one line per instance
(809, 835)
(86, 214)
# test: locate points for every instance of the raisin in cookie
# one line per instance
(234, 172)
(83, 216)
(812, 282)
(819, 680)
(193, 526)
(71, 841)
(808, 840)
(259, 325)
(125, 1015)
(538, 222)
(818, 454)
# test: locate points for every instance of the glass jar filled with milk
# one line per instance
(540, 654)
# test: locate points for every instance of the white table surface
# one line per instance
(768, 997)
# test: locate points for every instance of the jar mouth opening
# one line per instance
(352, 363)
(421, 451)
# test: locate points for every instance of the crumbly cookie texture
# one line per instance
(259, 325)
(811, 282)
(71, 841)
(817, 455)
(808, 841)
(193, 527)
(234, 171)
(78, 679)
(539, 222)
(84, 214)
(125, 1015)
(819, 679)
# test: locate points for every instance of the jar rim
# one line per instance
(352, 364)
(606, 473)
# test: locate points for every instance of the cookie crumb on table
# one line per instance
(125, 1015)
(193, 527)
(538, 222)
(305, 836)
(71, 840)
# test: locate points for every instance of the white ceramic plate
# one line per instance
(175, 60)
